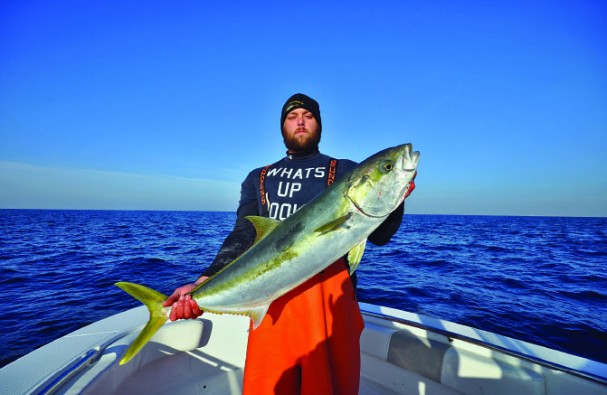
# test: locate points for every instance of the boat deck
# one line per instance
(401, 353)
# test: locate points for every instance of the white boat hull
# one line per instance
(402, 353)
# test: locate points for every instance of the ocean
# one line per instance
(538, 279)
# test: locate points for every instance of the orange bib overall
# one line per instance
(309, 342)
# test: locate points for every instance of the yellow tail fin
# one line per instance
(153, 300)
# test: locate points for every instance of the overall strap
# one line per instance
(262, 191)
(332, 171)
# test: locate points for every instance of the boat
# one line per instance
(401, 353)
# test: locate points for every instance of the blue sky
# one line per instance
(159, 106)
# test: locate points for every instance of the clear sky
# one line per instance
(168, 105)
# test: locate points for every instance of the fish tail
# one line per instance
(153, 300)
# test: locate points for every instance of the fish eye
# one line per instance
(387, 166)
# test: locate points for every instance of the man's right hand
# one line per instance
(182, 304)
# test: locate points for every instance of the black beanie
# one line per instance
(299, 100)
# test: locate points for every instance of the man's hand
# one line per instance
(411, 186)
(182, 304)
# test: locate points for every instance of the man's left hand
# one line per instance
(411, 186)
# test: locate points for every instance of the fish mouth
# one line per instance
(409, 159)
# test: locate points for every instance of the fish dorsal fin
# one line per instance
(263, 225)
(355, 255)
(333, 225)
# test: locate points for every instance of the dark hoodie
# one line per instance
(289, 184)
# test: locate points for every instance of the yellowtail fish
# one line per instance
(288, 253)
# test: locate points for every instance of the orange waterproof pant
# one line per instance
(309, 343)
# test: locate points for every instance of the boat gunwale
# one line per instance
(78, 364)
(593, 371)
(386, 314)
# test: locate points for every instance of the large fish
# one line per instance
(287, 253)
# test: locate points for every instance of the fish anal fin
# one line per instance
(263, 225)
(257, 314)
(356, 254)
(333, 225)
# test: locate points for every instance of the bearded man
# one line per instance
(309, 341)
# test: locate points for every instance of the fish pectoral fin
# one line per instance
(333, 225)
(356, 254)
(257, 314)
(262, 225)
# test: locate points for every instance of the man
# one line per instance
(308, 342)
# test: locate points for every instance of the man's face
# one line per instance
(300, 131)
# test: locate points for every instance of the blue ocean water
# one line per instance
(538, 279)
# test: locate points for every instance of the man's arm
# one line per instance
(238, 241)
(388, 228)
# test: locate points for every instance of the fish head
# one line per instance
(377, 185)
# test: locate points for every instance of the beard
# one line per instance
(305, 145)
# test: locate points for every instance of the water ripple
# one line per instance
(539, 279)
